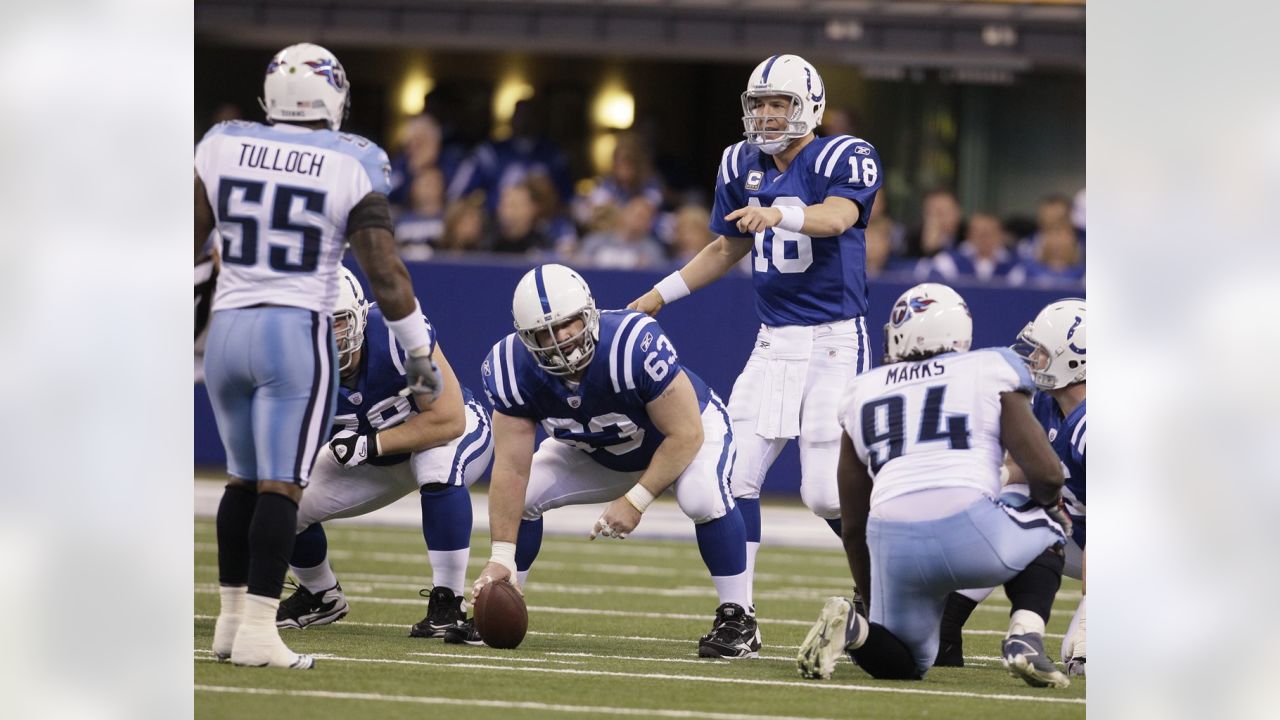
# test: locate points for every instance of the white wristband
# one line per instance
(412, 333)
(639, 497)
(672, 287)
(504, 553)
(792, 217)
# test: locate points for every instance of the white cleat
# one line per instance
(829, 638)
(262, 647)
(224, 635)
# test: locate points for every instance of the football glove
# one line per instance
(353, 449)
(422, 374)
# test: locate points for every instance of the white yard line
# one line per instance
(710, 679)
(511, 704)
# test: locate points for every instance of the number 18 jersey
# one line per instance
(802, 280)
(933, 423)
(281, 195)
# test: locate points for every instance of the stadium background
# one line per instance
(985, 99)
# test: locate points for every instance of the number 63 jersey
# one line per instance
(281, 195)
(803, 280)
(605, 415)
(933, 423)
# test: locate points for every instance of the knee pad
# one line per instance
(821, 497)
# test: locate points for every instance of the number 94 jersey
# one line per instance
(933, 423)
(802, 280)
(605, 416)
(281, 195)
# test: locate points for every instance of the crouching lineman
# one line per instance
(625, 423)
(1053, 346)
(919, 481)
(385, 445)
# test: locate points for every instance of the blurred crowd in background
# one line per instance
(517, 197)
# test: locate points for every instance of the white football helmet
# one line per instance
(549, 296)
(1053, 344)
(306, 82)
(354, 309)
(794, 77)
(928, 319)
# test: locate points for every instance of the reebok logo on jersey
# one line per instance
(646, 342)
(862, 150)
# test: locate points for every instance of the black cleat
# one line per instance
(464, 633)
(304, 608)
(444, 611)
(734, 635)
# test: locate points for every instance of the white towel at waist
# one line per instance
(787, 356)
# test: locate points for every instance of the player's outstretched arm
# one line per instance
(705, 268)
(1025, 440)
(829, 218)
(204, 218)
(675, 413)
(854, 485)
(437, 423)
(512, 458)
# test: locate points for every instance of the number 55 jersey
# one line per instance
(281, 195)
(604, 415)
(933, 423)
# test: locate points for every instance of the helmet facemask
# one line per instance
(571, 355)
(755, 124)
(348, 331)
(1053, 345)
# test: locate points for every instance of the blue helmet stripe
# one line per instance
(542, 290)
(769, 66)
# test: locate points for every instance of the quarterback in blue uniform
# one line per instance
(799, 204)
(384, 445)
(625, 423)
(1053, 346)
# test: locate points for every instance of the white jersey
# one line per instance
(933, 423)
(281, 195)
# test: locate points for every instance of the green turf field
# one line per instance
(613, 629)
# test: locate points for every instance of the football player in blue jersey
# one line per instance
(385, 445)
(800, 204)
(921, 503)
(626, 422)
(1053, 346)
(284, 199)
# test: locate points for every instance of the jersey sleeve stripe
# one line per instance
(1078, 438)
(835, 156)
(817, 166)
(724, 164)
(499, 373)
(633, 337)
(733, 158)
(613, 351)
(511, 370)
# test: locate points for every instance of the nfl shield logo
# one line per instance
(575, 402)
(355, 398)
(1053, 434)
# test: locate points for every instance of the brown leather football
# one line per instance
(500, 615)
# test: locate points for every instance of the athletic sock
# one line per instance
(235, 514)
(271, 537)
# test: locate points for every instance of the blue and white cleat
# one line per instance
(837, 630)
(1024, 657)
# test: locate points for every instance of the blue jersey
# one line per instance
(375, 403)
(1067, 436)
(801, 280)
(605, 416)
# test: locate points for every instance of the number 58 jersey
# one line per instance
(281, 195)
(933, 423)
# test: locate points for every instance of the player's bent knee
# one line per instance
(822, 499)
(291, 490)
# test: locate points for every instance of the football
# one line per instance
(501, 616)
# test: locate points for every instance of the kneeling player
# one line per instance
(919, 488)
(383, 447)
(626, 422)
(1053, 346)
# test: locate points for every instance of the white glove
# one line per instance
(422, 374)
(352, 449)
